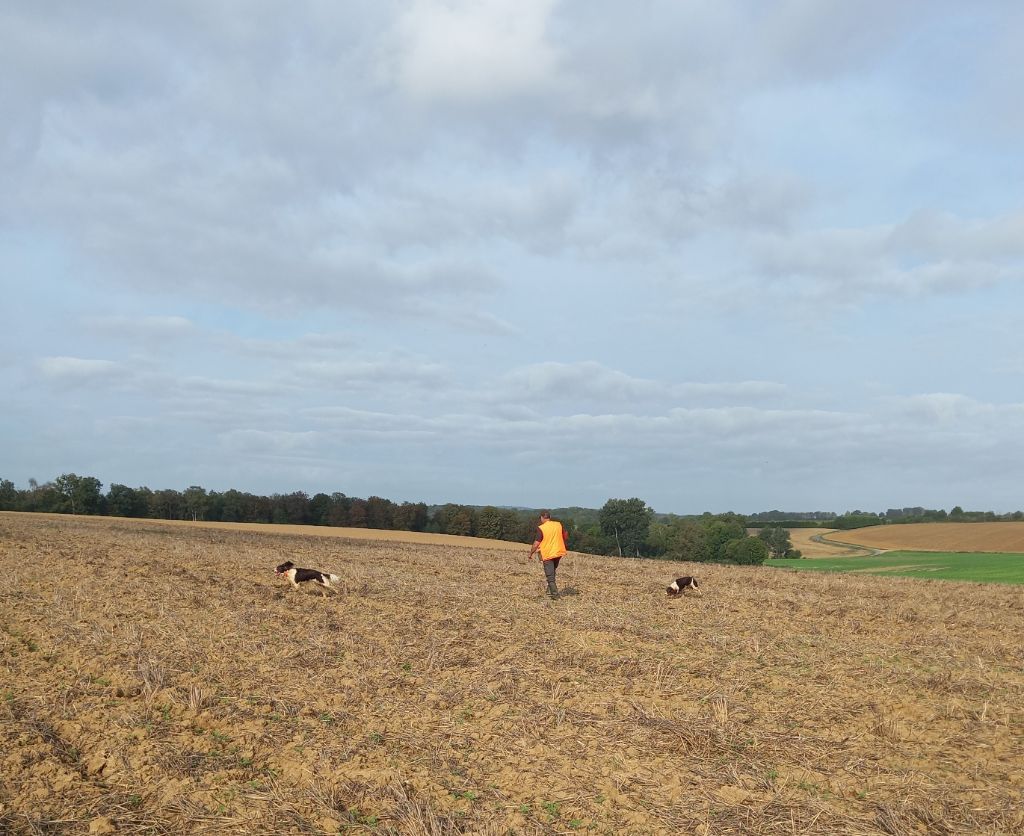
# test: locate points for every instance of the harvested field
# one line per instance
(159, 679)
(941, 537)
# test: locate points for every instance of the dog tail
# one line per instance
(334, 578)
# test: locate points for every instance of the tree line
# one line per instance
(629, 528)
(891, 516)
(73, 494)
(622, 527)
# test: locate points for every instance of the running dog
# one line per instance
(296, 576)
(679, 585)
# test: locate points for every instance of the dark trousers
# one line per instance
(549, 570)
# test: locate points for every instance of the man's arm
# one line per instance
(536, 545)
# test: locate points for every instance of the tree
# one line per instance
(357, 513)
(43, 498)
(215, 506)
(320, 509)
(338, 515)
(856, 519)
(123, 501)
(490, 523)
(719, 531)
(461, 522)
(8, 495)
(195, 501)
(65, 486)
(295, 506)
(166, 505)
(81, 494)
(627, 521)
(233, 506)
(455, 519)
(747, 551)
(410, 516)
(686, 540)
(777, 540)
(380, 513)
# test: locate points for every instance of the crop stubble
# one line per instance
(940, 537)
(158, 679)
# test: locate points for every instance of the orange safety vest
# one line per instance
(553, 543)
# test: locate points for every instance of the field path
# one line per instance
(854, 549)
(814, 543)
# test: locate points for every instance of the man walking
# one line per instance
(550, 543)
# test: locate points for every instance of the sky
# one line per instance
(721, 255)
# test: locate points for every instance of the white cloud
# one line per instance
(77, 369)
(927, 254)
(144, 328)
(474, 50)
(949, 410)
(547, 383)
(374, 374)
(266, 443)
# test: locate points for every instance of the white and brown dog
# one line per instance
(296, 576)
(680, 585)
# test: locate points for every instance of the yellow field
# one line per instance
(941, 537)
(159, 679)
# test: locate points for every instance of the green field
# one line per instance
(979, 567)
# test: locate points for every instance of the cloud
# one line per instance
(468, 246)
(373, 374)
(474, 50)
(514, 203)
(333, 192)
(551, 382)
(148, 329)
(239, 388)
(77, 370)
(268, 444)
(944, 410)
(929, 253)
(806, 41)
(927, 233)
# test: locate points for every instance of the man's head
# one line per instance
(545, 516)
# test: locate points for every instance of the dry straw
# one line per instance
(160, 680)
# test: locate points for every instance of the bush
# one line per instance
(748, 551)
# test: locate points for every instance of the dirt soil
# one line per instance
(997, 537)
(160, 679)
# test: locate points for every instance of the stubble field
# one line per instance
(940, 537)
(159, 679)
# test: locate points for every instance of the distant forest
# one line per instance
(625, 527)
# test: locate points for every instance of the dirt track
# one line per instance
(157, 679)
(824, 542)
